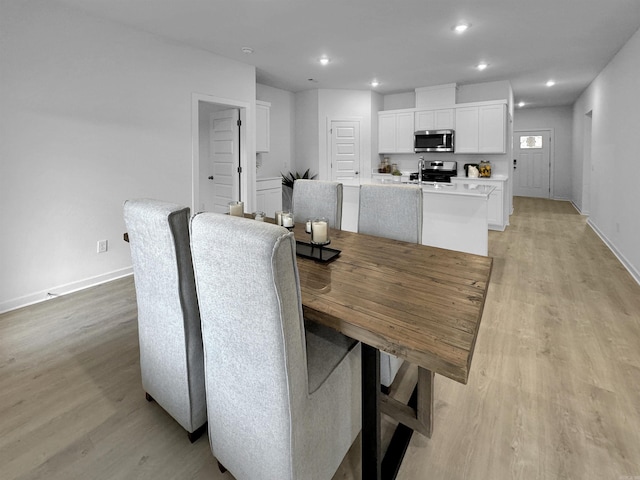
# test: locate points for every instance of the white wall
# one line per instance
(306, 136)
(396, 101)
(614, 194)
(93, 113)
(344, 105)
(560, 121)
(282, 130)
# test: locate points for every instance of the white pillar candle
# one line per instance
(287, 220)
(307, 227)
(236, 209)
(319, 231)
(278, 217)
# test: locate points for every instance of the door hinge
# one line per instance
(239, 169)
(239, 122)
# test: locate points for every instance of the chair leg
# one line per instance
(148, 397)
(197, 433)
(221, 467)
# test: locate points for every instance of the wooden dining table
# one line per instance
(420, 303)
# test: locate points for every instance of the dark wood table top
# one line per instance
(423, 304)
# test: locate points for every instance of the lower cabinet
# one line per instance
(498, 211)
(269, 195)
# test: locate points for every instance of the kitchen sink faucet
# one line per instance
(421, 167)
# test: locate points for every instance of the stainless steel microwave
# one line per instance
(433, 141)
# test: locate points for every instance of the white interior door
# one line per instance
(224, 156)
(532, 164)
(345, 150)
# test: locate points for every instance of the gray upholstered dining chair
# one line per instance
(395, 212)
(317, 198)
(171, 355)
(284, 401)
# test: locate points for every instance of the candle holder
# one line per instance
(287, 220)
(259, 216)
(236, 209)
(320, 232)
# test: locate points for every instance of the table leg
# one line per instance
(417, 415)
(371, 441)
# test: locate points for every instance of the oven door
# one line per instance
(433, 141)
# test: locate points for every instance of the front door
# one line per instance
(532, 164)
(345, 150)
(225, 143)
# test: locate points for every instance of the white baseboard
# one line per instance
(625, 263)
(63, 289)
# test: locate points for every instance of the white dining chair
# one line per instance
(317, 198)
(171, 355)
(395, 212)
(284, 401)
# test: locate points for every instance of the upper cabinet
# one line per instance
(395, 132)
(262, 126)
(481, 128)
(441, 119)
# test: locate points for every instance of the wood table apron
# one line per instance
(422, 304)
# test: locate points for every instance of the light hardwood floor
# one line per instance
(554, 390)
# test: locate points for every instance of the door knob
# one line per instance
(357, 173)
(210, 177)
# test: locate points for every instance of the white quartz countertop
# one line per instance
(469, 188)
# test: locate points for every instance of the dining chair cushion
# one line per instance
(317, 198)
(270, 415)
(326, 348)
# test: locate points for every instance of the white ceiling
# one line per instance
(403, 43)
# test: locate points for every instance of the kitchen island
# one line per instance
(455, 215)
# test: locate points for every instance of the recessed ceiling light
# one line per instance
(374, 83)
(521, 104)
(550, 83)
(461, 27)
(247, 50)
(324, 60)
(482, 65)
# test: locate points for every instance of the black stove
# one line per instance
(437, 171)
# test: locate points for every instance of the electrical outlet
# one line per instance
(102, 246)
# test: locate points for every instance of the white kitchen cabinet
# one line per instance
(480, 128)
(492, 129)
(263, 112)
(269, 195)
(498, 209)
(441, 119)
(467, 130)
(395, 132)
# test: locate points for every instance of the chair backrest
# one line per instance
(253, 335)
(317, 198)
(171, 358)
(391, 211)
